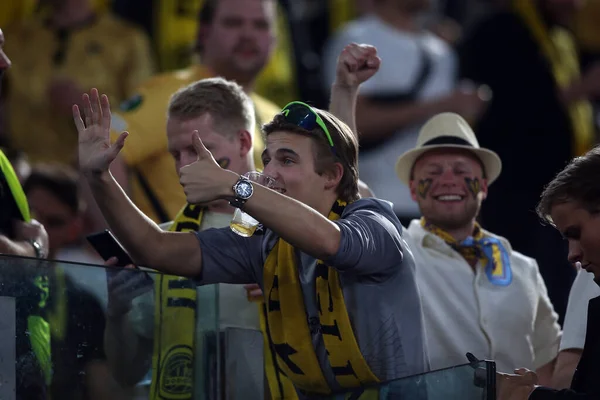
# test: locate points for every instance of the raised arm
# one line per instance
(170, 252)
(355, 65)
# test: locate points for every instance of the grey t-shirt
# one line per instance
(377, 276)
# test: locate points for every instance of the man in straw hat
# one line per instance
(478, 294)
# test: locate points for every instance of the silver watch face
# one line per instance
(243, 190)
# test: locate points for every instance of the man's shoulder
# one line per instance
(148, 105)
(169, 82)
(375, 207)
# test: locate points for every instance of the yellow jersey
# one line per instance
(155, 186)
(586, 28)
(107, 53)
(15, 11)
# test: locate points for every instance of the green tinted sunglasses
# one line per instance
(302, 115)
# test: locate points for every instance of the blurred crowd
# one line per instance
(524, 74)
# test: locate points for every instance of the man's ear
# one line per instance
(245, 140)
(484, 188)
(333, 176)
(413, 189)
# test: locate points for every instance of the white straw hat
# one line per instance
(448, 130)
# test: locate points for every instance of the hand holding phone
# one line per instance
(108, 247)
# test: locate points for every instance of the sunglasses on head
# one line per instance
(302, 115)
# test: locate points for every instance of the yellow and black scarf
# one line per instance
(289, 333)
(479, 247)
(558, 46)
(175, 324)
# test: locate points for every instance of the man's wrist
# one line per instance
(97, 175)
(230, 178)
(38, 249)
(343, 87)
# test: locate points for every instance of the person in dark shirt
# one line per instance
(570, 203)
(539, 117)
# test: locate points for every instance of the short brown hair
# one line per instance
(60, 180)
(224, 100)
(579, 182)
(345, 149)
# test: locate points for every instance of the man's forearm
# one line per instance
(545, 372)
(169, 252)
(16, 248)
(343, 104)
(295, 222)
(139, 234)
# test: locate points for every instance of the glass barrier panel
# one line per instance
(475, 381)
(78, 331)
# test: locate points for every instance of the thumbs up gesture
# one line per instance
(204, 180)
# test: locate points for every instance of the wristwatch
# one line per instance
(39, 250)
(242, 191)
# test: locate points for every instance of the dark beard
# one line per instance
(1, 75)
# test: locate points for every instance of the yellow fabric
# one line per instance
(108, 54)
(146, 148)
(173, 356)
(558, 46)
(340, 13)
(39, 335)
(39, 330)
(177, 28)
(57, 316)
(479, 247)
(277, 80)
(16, 190)
(279, 385)
(289, 332)
(15, 11)
(586, 27)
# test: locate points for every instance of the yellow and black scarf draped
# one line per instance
(289, 332)
(175, 324)
(558, 46)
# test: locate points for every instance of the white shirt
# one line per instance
(402, 60)
(514, 325)
(583, 290)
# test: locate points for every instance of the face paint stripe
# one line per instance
(223, 162)
(474, 186)
(423, 187)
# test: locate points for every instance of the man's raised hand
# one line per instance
(96, 153)
(356, 64)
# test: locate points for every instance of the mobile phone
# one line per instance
(107, 246)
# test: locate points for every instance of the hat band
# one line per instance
(447, 140)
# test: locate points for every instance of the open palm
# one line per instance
(96, 153)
